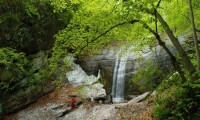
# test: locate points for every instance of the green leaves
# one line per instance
(29, 24)
(31, 10)
(59, 5)
(65, 5)
(177, 100)
(148, 77)
(13, 68)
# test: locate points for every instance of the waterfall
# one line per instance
(118, 80)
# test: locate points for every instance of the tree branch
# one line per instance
(158, 4)
(93, 40)
(161, 43)
(115, 7)
(188, 64)
(197, 30)
(156, 19)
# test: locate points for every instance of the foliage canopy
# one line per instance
(86, 27)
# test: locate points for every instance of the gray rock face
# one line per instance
(37, 114)
(105, 61)
(27, 94)
(139, 98)
(39, 59)
(23, 98)
(100, 112)
(105, 112)
(91, 87)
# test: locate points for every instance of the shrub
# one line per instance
(176, 100)
(147, 78)
(14, 67)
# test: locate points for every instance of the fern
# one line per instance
(13, 68)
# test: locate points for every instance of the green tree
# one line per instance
(134, 22)
(94, 28)
(13, 68)
(30, 25)
(194, 34)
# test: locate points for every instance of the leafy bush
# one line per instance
(25, 25)
(147, 78)
(177, 100)
(13, 68)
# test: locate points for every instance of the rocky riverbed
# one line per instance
(51, 106)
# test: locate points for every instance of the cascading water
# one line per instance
(118, 80)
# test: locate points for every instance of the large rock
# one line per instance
(105, 112)
(95, 90)
(139, 98)
(105, 62)
(23, 97)
(27, 92)
(100, 112)
(39, 59)
(91, 87)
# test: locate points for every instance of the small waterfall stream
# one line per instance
(118, 79)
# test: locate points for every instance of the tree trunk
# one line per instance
(172, 57)
(194, 34)
(188, 64)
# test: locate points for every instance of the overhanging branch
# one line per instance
(104, 33)
(188, 64)
(156, 19)
(158, 4)
(197, 30)
(161, 43)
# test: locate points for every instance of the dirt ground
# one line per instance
(135, 111)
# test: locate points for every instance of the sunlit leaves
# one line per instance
(94, 17)
(65, 5)
(59, 5)
(176, 15)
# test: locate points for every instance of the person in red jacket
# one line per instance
(73, 102)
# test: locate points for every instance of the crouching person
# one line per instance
(73, 101)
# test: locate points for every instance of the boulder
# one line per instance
(27, 93)
(23, 97)
(39, 59)
(103, 112)
(105, 61)
(139, 98)
(95, 91)
(91, 86)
